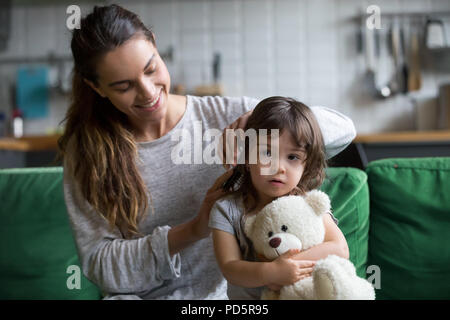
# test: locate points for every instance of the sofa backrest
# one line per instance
(38, 258)
(38, 255)
(410, 227)
(349, 194)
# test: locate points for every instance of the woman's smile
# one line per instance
(151, 105)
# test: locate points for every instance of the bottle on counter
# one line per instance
(2, 124)
(17, 123)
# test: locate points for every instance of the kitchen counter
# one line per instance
(406, 144)
(404, 136)
(41, 150)
(30, 143)
(30, 151)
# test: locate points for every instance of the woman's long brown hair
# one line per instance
(97, 145)
(284, 113)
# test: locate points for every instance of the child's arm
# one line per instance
(334, 243)
(282, 271)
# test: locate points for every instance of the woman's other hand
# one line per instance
(200, 227)
(240, 123)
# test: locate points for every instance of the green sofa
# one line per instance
(395, 216)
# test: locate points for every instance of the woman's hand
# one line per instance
(185, 234)
(240, 123)
(200, 222)
(287, 270)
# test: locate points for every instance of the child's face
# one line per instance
(290, 167)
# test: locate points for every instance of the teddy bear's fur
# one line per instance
(295, 222)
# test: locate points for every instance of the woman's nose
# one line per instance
(147, 90)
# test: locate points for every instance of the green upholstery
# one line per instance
(408, 238)
(410, 227)
(36, 243)
(349, 194)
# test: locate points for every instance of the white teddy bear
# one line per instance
(295, 222)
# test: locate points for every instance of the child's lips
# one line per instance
(276, 182)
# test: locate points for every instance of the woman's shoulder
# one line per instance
(224, 100)
(227, 106)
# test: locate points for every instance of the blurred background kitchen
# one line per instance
(393, 82)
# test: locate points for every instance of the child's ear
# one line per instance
(248, 227)
(319, 201)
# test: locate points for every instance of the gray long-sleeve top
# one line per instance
(142, 267)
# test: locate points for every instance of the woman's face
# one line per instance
(289, 168)
(136, 81)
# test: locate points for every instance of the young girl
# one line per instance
(300, 168)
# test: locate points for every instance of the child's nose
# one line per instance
(281, 167)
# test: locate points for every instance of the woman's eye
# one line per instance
(123, 90)
(270, 234)
(150, 70)
(284, 228)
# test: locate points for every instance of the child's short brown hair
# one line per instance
(285, 113)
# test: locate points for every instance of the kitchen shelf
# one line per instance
(47, 59)
(406, 14)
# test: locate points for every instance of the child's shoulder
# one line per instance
(232, 201)
(229, 198)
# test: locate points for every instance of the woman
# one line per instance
(140, 221)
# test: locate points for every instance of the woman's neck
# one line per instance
(152, 131)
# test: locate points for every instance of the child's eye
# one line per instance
(293, 157)
(265, 153)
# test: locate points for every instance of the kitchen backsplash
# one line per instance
(304, 49)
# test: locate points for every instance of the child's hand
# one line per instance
(287, 270)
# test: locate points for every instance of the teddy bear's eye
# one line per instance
(270, 234)
(284, 228)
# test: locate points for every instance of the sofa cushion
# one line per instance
(349, 194)
(410, 227)
(38, 258)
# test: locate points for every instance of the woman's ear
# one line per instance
(95, 88)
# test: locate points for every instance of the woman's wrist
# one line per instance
(182, 236)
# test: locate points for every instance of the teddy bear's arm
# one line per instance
(334, 243)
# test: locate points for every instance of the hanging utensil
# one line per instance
(435, 34)
(414, 79)
(404, 68)
(372, 49)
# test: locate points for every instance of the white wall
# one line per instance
(300, 48)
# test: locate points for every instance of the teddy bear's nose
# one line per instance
(275, 242)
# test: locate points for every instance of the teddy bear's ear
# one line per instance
(319, 201)
(248, 227)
